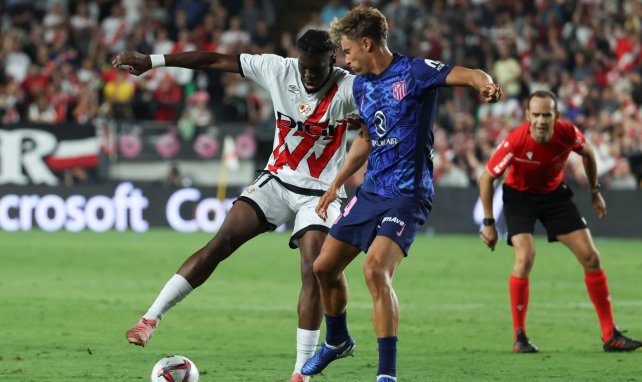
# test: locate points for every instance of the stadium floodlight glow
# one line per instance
(98, 213)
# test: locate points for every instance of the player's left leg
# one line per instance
(384, 256)
(581, 244)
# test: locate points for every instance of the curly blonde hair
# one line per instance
(360, 22)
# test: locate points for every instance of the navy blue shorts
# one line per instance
(369, 215)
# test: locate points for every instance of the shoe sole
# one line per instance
(136, 342)
(620, 350)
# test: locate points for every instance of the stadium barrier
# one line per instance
(128, 206)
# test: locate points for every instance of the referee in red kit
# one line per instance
(535, 154)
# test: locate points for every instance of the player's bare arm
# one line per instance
(478, 79)
(356, 157)
(140, 63)
(489, 233)
(590, 168)
(352, 121)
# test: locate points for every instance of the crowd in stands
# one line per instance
(55, 67)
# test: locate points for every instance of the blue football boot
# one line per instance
(325, 355)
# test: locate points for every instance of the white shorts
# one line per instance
(279, 205)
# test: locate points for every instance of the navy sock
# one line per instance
(387, 356)
(336, 329)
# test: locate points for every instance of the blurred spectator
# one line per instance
(333, 9)
(507, 72)
(86, 107)
(55, 22)
(234, 39)
(206, 35)
(11, 100)
(621, 177)
(173, 177)
(156, 13)
(15, 60)
(41, 111)
(249, 16)
(83, 26)
(451, 175)
(167, 99)
(114, 28)
(22, 14)
(194, 11)
(118, 94)
(76, 176)
(313, 23)
(261, 41)
(195, 116)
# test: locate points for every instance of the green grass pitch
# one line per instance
(66, 301)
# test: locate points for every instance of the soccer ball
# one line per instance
(175, 368)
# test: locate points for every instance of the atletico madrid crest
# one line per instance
(399, 89)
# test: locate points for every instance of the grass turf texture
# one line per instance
(67, 300)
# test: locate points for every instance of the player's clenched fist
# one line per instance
(138, 63)
(491, 93)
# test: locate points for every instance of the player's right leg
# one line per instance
(309, 308)
(328, 267)
(520, 212)
(240, 225)
(384, 256)
(524, 246)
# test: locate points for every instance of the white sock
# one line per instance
(176, 289)
(306, 343)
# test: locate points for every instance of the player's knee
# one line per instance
(376, 277)
(320, 269)
(591, 261)
(220, 247)
(523, 265)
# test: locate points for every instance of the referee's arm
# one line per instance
(489, 232)
(590, 168)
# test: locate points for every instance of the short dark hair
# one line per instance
(541, 94)
(315, 41)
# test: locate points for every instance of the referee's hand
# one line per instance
(489, 236)
(599, 205)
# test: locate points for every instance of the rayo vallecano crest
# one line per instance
(305, 109)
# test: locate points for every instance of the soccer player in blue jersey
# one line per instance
(396, 97)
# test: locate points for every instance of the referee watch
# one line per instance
(488, 221)
(595, 189)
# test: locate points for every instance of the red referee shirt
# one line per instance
(535, 167)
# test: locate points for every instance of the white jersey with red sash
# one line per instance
(309, 144)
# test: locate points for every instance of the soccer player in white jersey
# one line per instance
(311, 97)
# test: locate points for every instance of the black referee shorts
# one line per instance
(555, 210)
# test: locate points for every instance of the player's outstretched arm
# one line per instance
(357, 156)
(489, 233)
(140, 63)
(590, 168)
(460, 76)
